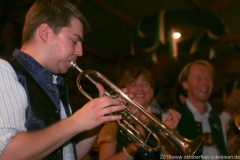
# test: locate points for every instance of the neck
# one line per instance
(199, 105)
(34, 51)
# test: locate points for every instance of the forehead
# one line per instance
(140, 77)
(76, 28)
(198, 69)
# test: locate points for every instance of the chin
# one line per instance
(63, 71)
(144, 105)
(204, 99)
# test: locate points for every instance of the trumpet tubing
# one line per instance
(185, 146)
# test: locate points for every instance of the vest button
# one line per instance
(57, 111)
(59, 152)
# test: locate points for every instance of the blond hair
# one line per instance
(183, 76)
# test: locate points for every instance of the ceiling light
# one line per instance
(176, 35)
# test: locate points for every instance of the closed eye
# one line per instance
(74, 42)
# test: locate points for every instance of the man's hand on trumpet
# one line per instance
(96, 111)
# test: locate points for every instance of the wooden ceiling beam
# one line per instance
(115, 12)
(213, 6)
(218, 5)
(231, 38)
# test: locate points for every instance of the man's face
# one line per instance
(64, 47)
(199, 84)
(141, 90)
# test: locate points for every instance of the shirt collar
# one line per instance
(38, 72)
(195, 111)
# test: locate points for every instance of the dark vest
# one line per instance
(191, 129)
(42, 111)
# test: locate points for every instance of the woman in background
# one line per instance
(112, 144)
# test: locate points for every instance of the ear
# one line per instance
(43, 31)
(185, 85)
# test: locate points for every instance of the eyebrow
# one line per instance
(79, 37)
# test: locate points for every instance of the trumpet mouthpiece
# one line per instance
(73, 64)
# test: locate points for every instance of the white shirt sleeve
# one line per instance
(13, 104)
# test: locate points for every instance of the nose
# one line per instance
(205, 81)
(78, 49)
(139, 87)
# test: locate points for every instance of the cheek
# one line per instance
(65, 46)
(193, 84)
(53, 50)
(130, 90)
(211, 84)
(149, 92)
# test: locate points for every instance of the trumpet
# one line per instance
(185, 146)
